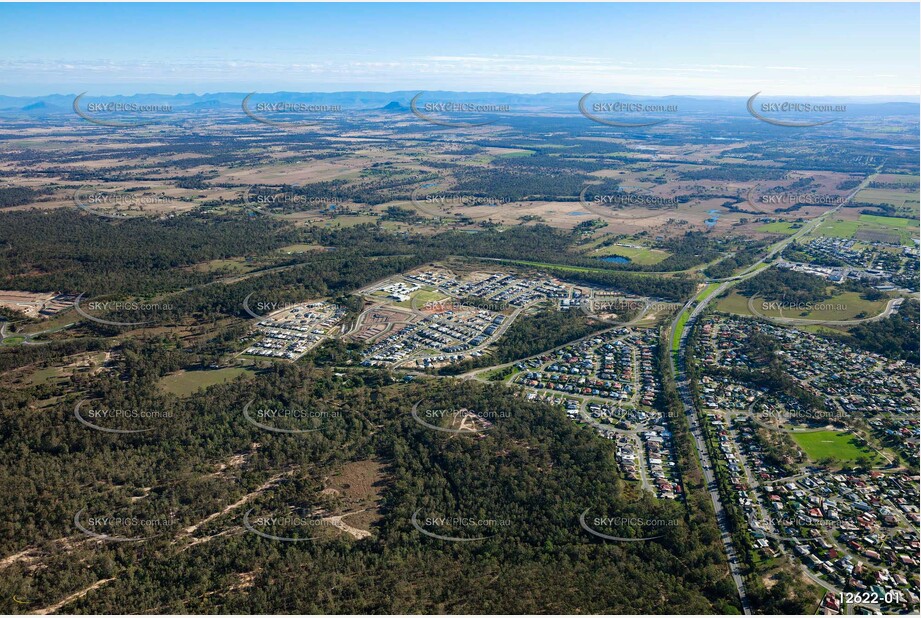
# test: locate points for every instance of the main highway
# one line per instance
(694, 308)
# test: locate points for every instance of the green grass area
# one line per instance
(843, 306)
(43, 376)
(706, 292)
(55, 323)
(756, 268)
(779, 227)
(838, 445)
(185, 383)
(575, 269)
(14, 340)
(300, 248)
(420, 297)
(887, 221)
(904, 229)
(733, 303)
(592, 244)
(683, 318)
(512, 155)
(504, 374)
(231, 264)
(819, 329)
(893, 197)
(350, 220)
(679, 327)
(903, 179)
(641, 256)
(839, 228)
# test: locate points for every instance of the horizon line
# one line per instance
(442, 90)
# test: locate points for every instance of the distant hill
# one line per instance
(398, 101)
(209, 104)
(42, 108)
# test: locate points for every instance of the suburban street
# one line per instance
(681, 380)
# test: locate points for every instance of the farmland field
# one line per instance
(891, 229)
(894, 198)
(888, 221)
(779, 227)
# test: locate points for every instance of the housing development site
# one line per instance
(810, 436)
(610, 382)
(432, 317)
(35, 305)
(807, 436)
(292, 332)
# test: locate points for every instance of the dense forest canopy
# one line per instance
(535, 470)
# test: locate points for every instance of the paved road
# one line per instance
(480, 348)
(779, 246)
(476, 373)
(28, 337)
(681, 380)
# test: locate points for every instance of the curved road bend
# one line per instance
(891, 307)
(475, 373)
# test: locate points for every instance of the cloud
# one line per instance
(515, 73)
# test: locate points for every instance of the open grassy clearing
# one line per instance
(300, 248)
(843, 306)
(733, 303)
(887, 221)
(893, 197)
(637, 255)
(45, 375)
(350, 220)
(779, 227)
(514, 154)
(897, 227)
(679, 327)
(184, 383)
(910, 180)
(683, 318)
(706, 292)
(576, 269)
(839, 228)
(838, 445)
(420, 297)
(236, 265)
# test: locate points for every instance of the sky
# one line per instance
(818, 49)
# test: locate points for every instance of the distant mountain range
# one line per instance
(399, 101)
